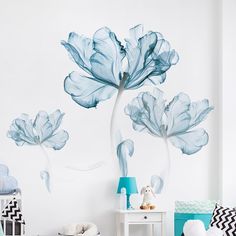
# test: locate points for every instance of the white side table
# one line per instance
(127, 217)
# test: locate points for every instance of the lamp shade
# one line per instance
(129, 183)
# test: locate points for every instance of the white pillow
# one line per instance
(197, 228)
(194, 228)
(214, 231)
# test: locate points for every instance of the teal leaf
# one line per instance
(45, 176)
(125, 149)
(157, 184)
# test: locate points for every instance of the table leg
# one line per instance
(163, 225)
(126, 229)
(153, 229)
(118, 225)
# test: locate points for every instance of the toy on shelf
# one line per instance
(148, 196)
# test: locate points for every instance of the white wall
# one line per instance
(229, 102)
(33, 65)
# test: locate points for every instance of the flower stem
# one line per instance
(48, 166)
(166, 172)
(114, 112)
(113, 119)
(113, 131)
(48, 162)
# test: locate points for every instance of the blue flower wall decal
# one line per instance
(125, 149)
(109, 66)
(101, 58)
(45, 176)
(157, 183)
(42, 131)
(174, 121)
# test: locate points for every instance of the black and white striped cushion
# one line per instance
(224, 218)
(12, 211)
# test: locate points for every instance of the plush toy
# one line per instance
(196, 228)
(82, 229)
(148, 195)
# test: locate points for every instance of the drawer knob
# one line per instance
(145, 217)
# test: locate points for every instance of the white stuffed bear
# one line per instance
(82, 229)
(196, 228)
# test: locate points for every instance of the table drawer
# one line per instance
(143, 217)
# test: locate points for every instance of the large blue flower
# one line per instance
(174, 121)
(101, 58)
(42, 131)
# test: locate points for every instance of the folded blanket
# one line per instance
(197, 207)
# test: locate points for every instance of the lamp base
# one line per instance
(129, 207)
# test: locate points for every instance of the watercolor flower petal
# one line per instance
(80, 49)
(55, 119)
(157, 183)
(106, 62)
(21, 131)
(57, 141)
(86, 91)
(149, 56)
(190, 142)
(178, 118)
(45, 176)
(146, 112)
(124, 150)
(137, 56)
(162, 58)
(42, 126)
(199, 111)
